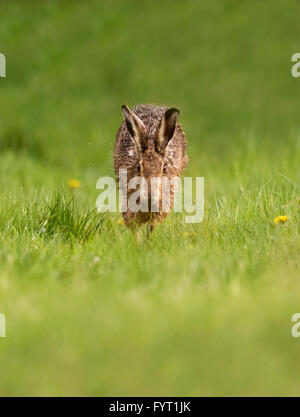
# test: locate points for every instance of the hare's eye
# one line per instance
(165, 168)
(138, 167)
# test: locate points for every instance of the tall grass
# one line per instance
(63, 218)
(57, 217)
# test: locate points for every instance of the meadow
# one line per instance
(202, 309)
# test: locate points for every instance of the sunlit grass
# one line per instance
(195, 309)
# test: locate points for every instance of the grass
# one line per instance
(199, 309)
(62, 218)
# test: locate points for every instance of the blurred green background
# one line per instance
(194, 310)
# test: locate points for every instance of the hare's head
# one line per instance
(151, 149)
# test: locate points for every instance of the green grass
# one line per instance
(199, 309)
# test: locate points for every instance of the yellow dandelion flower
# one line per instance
(191, 247)
(74, 183)
(280, 219)
(121, 221)
(186, 234)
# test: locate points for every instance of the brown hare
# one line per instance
(150, 144)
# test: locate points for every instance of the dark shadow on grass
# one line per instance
(17, 141)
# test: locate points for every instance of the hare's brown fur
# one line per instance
(147, 147)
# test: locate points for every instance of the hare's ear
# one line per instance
(166, 129)
(135, 128)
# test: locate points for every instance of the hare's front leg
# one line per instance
(150, 229)
(138, 236)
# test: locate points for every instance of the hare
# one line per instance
(150, 144)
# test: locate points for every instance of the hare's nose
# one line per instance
(144, 190)
(155, 186)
